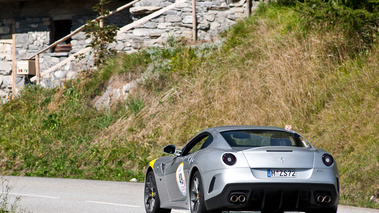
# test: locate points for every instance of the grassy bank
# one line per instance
(270, 70)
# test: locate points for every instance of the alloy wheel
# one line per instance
(195, 195)
(150, 193)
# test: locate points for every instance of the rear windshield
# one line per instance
(258, 138)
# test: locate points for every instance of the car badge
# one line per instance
(281, 160)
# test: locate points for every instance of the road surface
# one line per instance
(47, 195)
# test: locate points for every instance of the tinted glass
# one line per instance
(255, 138)
(199, 143)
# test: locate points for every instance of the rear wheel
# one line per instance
(196, 194)
(324, 210)
(151, 196)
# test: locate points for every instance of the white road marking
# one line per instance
(31, 195)
(51, 197)
(113, 204)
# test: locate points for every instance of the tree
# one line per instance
(101, 35)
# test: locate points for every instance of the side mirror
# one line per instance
(169, 149)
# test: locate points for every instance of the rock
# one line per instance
(127, 88)
(210, 17)
(116, 93)
(232, 17)
(184, 25)
(60, 74)
(172, 18)
(219, 8)
(215, 25)
(204, 26)
(5, 68)
(6, 82)
(55, 60)
(188, 20)
(104, 100)
(143, 10)
(133, 180)
(3, 94)
(155, 35)
(141, 32)
(238, 10)
(164, 25)
(150, 25)
(71, 75)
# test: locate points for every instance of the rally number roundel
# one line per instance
(180, 179)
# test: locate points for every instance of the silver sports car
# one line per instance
(243, 168)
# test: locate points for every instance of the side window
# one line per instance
(300, 141)
(200, 143)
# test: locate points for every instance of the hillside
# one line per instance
(269, 69)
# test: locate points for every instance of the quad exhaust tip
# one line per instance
(241, 198)
(237, 198)
(323, 199)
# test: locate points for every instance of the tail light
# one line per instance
(229, 159)
(327, 159)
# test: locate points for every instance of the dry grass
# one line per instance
(348, 127)
(262, 83)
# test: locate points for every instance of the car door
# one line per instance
(176, 173)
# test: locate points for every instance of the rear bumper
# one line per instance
(275, 196)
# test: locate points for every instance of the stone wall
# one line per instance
(33, 34)
(213, 17)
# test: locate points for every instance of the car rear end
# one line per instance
(274, 176)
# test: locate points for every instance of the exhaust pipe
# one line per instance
(242, 198)
(323, 199)
(234, 198)
(237, 198)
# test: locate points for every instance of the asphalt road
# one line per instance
(73, 196)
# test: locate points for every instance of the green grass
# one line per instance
(270, 70)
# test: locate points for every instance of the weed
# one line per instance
(135, 104)
(9, 204)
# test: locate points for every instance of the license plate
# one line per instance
(282, 173)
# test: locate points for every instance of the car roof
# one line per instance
(232, 128)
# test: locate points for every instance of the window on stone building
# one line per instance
(60, 29)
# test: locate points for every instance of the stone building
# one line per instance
(35, 24)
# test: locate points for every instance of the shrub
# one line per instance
(101, 35)
(358, 20)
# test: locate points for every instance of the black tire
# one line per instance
(324, 210)
(151, 195)
(197, 203)
(215, 211)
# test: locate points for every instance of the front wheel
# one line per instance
(151, 196)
